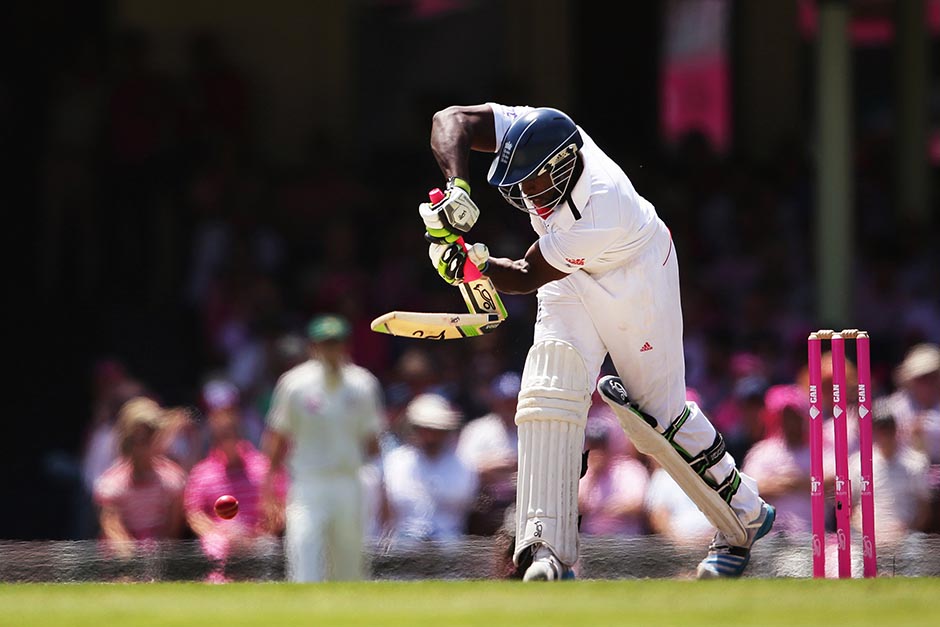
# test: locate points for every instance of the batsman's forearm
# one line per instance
(511, 277)
(451, 140)
(457, 130)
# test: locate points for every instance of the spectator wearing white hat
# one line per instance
(430, 490)
(916, 408)
(900, 476)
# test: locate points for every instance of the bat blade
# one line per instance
(436, 326)
(481, 297)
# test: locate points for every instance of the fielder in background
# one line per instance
(324, 421)
(607, 280)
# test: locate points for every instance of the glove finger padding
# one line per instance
(437, 231)
(444, 258)
(453, 261)
(449, 260)
(479, 255)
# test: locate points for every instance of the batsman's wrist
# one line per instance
(456, 181)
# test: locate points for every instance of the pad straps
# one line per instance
(729, 487)
(703, 461)
(706, 459)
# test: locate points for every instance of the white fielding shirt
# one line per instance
(328, 427)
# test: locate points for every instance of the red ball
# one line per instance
(226, 506)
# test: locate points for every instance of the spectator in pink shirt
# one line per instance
(233, 466)
(140, 494)
(780, 463)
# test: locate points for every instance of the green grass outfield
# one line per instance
(886, 602)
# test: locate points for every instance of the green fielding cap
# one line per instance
(328, 327)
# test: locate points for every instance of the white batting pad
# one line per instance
(651, 442)
(551, 415)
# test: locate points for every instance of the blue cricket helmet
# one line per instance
(543, 140)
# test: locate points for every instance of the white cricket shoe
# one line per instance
(546, 567)
(724, 560)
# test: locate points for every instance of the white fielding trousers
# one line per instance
(323, 540)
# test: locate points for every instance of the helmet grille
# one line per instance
(561, 168)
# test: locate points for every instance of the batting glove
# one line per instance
(452, 216)
(449, 260)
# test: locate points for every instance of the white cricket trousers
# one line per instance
(634, 312)
(323, 540)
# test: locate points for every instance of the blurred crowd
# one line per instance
(154, 191)
(439, 473)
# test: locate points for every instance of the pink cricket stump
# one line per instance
(843, 488)
(818, 493)
(870, 562)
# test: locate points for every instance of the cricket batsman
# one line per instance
(607, 281)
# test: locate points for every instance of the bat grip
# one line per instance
(470, 270)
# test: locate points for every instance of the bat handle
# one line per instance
(470, 270)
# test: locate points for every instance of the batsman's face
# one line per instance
(541, 191)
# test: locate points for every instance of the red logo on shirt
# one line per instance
(575, 262)
(646, 347)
